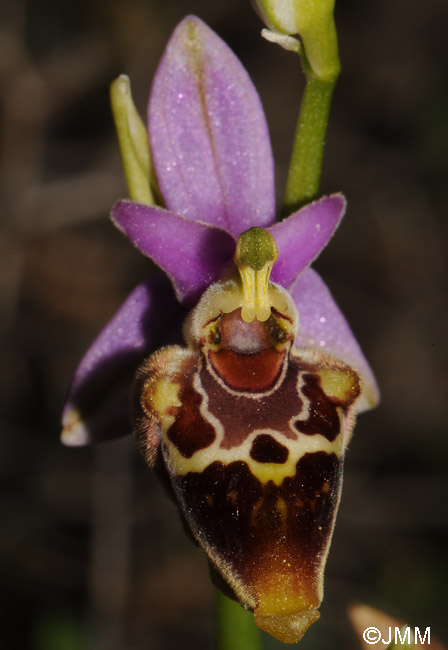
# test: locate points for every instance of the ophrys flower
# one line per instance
(249, 421)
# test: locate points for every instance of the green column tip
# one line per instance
(255, 248)
(256, 252)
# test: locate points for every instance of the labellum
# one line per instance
(250, 432)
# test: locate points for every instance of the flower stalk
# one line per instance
(313, 21)
(305, 167)
(235, 627)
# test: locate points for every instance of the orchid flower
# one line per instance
(264, 339)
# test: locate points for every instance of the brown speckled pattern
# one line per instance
(253, 447)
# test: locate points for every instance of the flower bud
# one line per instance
(278, 15)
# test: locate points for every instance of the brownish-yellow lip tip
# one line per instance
(288, 629)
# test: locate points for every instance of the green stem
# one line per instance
(306, 161)
(236, 629)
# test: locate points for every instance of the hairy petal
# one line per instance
(193, 254)
(302, 236)
(208, 133)
(322, 325)
(98, 401)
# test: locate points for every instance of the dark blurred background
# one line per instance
(92, 553)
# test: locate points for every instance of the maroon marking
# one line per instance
(323, 416)
(147, 426)
(277, 313)
(237, 517)
(190, 431)
(248, 372)
(265, 449)
(242, 414)
(211, 320)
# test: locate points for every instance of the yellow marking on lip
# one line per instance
(283, 511)
(233, 496)
(274, 472)
(165, 396)
(284, 592)
(287, 599)
(264, 472)
(288, 629)
(255, 510)
(338, 384)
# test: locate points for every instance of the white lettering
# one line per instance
(403, 639)
(389, 639)
(417, 634)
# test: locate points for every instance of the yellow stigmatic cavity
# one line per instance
(255, 255)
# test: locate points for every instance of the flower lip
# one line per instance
(288, 629)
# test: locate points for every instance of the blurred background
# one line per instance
(92, 553)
